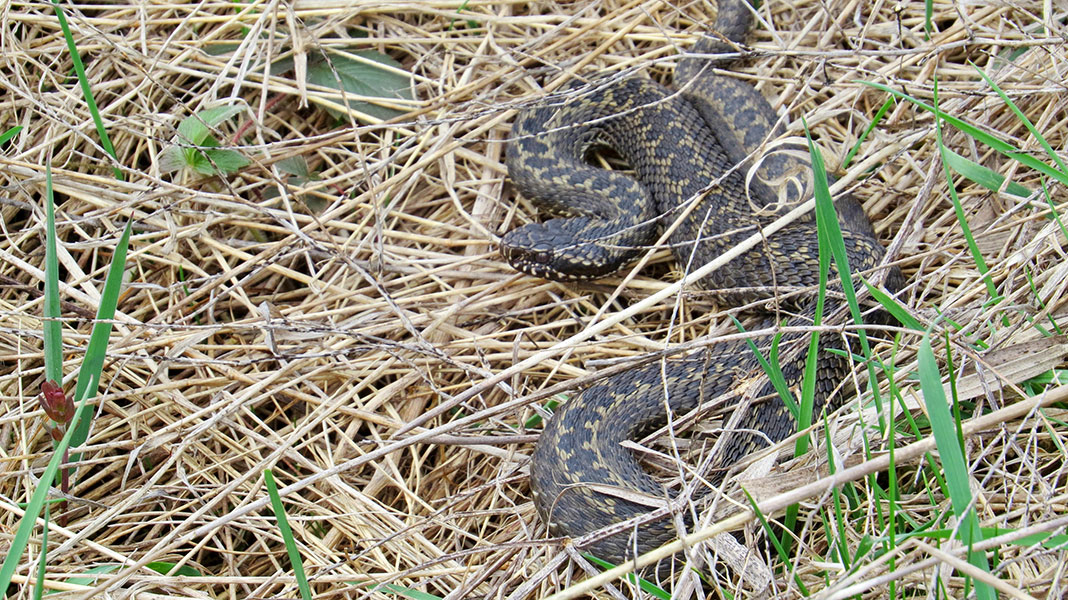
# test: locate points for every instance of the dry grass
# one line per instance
(262, 333)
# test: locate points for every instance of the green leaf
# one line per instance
(826, 227)
(42, 563)
(1046, 539)
(53, 329)
(772, 369)
(164, 568)
(879, 114)
(287, 535)
(982, 175)
(220, 48)
(839, 535)
(550, 405)
(298, 174)
(1023, 119)
(96, 350)
(216, 162)
(780, 550)
(977, 256)
(892, 306)
(91, 575)
(830, 237)
(10, 133)
(196, 128)
(954, 466)
(375, 79)
(296, 166)
(198, 150)
(173, 158)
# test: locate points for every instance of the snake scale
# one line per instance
(677, 142)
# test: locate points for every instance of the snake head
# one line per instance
(532, 258)
(540, 257)
(563, 250)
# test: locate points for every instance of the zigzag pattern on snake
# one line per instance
(677, 142)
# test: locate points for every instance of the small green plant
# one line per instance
(197, 150)
(69, 424)
(471, 23)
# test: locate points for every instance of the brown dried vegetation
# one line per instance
(302, 332)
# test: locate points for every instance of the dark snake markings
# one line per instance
(676, 143)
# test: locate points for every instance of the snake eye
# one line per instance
(543, 257)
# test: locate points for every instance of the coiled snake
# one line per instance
(677, 143)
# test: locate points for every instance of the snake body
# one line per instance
(677, 142)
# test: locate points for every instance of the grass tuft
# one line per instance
(954, 468)
(76, 430)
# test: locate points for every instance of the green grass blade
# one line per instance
(168, 568)
(831, 245)
(1053, 209)
(808, 384)
(895, 308)
(646, 586)
(400, 590)
(550, 406)
(780, 549)
(1023, 119)
(10, 133)
(892, 494)
(95, 352)
(958, 209)
(771, 369)
(53, 329)
(808, 389)
(37, 501)
(79, 68)
(1037, 298)
(808, 380)
(841, 539)
(42, 562)
(879, 114)
(978, 134)
(830, 238)
(827, 221)
(954, 466)
(985, 177)
(91, 576)
(1046, 539)
(287, 535)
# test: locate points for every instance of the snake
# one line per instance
(687, 148)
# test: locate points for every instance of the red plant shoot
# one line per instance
(58, 406)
